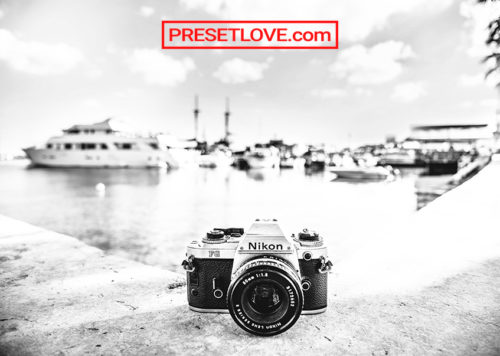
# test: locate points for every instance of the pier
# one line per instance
(429, 286)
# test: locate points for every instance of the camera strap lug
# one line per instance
(188, 264)
(326, 265)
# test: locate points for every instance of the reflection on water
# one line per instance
(150, 215)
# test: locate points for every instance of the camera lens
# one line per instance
(265, 297)
(265, 302)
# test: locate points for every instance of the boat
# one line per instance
(215, 158)
(315, 159)
(262, 157)
(108, 143)
(400, 158)
(292, 162)
(358, 173)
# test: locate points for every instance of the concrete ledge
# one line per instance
(431, 288)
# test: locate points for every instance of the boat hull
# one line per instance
(267, 162)
(96, 158)
(357, 174)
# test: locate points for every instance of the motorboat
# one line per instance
(262, 157)
(108, 143)
(357, 173)
(215, 158)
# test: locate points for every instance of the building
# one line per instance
(463, 137)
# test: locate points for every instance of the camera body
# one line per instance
(262, 277)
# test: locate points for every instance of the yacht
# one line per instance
(315, 159)
(400, 158)
(262, 156)
(218, 157)
(104, 144)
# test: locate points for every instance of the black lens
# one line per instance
(265, 297)
(265, 302)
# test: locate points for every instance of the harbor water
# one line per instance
(150, 215)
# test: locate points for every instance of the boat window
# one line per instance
(154, 146)
(88, 146)
(49, 145)
(124, 145)
(92, 131)
(104, 146)
(58, 146)
(108, 131)
(67, 146)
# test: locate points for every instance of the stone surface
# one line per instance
(431, 286)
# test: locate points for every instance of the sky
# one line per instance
(399, 63)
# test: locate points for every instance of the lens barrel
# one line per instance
(265, 296)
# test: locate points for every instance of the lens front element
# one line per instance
(265, 297)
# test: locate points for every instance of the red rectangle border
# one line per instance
(336, 23)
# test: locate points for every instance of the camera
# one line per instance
(263, 278)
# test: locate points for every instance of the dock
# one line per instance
(430, 286)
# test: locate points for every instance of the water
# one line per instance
(150, 215)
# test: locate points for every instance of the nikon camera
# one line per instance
(263, 278)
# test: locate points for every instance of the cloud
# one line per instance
(237, 71)
(477, 17)
(249, 94)
(468, 80)
(363, 92)
(378, 64)
(489, 103)
(467, 104)
(146, 11)
(37, 57)
(328, 93)
(94, 73)
(357, 20)
(158, 68)
(1, 13)
(408, 92)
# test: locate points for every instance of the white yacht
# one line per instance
(216, 158)
(103, 144)
(263, 157)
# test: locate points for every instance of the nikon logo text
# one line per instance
(264, 246)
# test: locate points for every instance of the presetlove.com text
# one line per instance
(249, 34)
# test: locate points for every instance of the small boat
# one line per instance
(215, 158)
(357, 173)
(292, 162)
(263, 157)
(315, 159)
(400, 158)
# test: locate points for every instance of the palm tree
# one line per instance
(493, 39)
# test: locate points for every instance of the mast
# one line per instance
(196, 112)
(226, 122)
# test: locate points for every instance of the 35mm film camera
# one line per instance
(263, 278)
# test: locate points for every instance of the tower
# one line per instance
(226, 122)
(196, 112)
